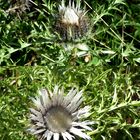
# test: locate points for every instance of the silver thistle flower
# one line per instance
(72, 22)
(57, 116)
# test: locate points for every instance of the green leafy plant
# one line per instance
(105, 65)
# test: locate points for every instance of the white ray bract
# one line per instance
(39, 131)
(50, 134)
(84, 112)
(56, 88)
(64, 137)
(38, 104)
(45, 135)
(35, 112)
(69, 136)
(44, 93)
(70, 17)
(79, 133)
(82, 125)
(69, 97)
(56, 136)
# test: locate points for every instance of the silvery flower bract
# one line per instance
(72, 22)
(55, 116)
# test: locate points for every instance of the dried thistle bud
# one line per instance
(19, 6)
(72, 22)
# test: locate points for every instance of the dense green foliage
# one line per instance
(110, 78)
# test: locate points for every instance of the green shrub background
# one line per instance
(32, 57)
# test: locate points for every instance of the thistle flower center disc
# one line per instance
(58, 119)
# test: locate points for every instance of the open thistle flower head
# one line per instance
(72, 22)
(56, 116)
